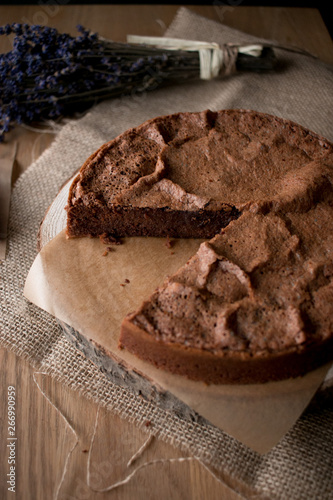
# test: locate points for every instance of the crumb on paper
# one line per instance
(169, 243)
(107, 251)
(125, 282)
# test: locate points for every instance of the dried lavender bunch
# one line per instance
(48, 75)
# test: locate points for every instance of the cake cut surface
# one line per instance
(255, 303)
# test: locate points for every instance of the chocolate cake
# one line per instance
(256, 301)
(154, 180)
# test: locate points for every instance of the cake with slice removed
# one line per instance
(255, 303)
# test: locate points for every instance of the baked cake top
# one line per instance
(205, 160)
(265, 284)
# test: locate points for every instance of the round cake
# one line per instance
(256, 302)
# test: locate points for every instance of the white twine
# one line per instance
(64, 472)
(135, 456)
(140, 451)
(214, 59)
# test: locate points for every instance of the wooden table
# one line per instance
(44, 439)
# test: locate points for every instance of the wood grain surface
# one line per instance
(48, 452)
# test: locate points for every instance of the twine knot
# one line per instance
(215, 60)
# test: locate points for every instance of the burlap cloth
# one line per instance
(300, 466)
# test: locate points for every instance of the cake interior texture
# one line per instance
(256, 301)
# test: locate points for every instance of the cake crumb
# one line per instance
(125, 282)
(108, 239)
(169, 243)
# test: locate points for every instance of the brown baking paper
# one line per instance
(73, 280)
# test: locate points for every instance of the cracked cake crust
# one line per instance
(256, 301)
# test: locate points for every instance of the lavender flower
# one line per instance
(50, 75)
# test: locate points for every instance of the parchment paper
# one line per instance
(74, 281)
